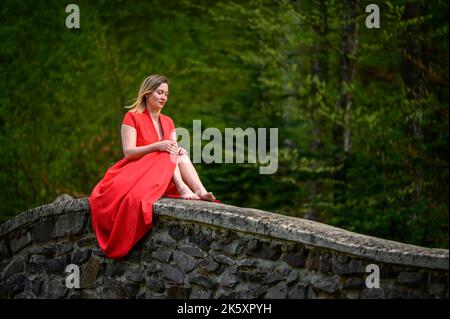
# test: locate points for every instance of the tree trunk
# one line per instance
(319, 71)
(414, 80)
(341, 131)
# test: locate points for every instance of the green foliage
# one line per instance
(256, 63)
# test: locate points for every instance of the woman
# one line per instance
(153, 166)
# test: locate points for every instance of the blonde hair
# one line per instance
(150, 84)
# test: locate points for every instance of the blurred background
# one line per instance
(362, 114)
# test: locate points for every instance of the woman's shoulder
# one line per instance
(133, 113)
(130, 118)
(166, 118)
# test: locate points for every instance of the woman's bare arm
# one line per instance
(131, 151)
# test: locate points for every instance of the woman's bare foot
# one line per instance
(208, 196)
(186, 193)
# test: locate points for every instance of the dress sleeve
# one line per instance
(173, 133)
(172, 123)
(129, 120)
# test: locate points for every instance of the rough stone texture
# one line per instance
(205, 250)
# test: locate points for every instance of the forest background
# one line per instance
(362, 113)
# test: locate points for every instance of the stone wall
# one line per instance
(205, 250)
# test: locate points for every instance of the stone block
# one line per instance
(251, 291)
(16, 284)
(36, 264)
(224, 293)
(178, 292)
(201, 239)
(69, 224)
(193, 251)
(295, 257)
(42, 230)
(15, 266)
(156, 283)
(87, 242)
(274, 277)
(284, 270)
(185, 262)
(407, 277)
(222, 259)
(56, 289)
(56, 265)
(161, 244)
(279, 291)
(228, 280)
(63, 248)
(33, 287)
(292, 277)
(200, 280)
(5, 252)
(250, 276)
(327, 283)
(264, 267)
(200, 293)
(172, 273)
(79, 256)
(297, 292)
(269, 251)
(318, 260)
(350, 294)
(252, 245)
(232, 248)
(438, 290)
(176, 232)
(47, 250)
(353, 283)
(342, 264)
(114, 290)
(439, 277)
(134, 255)
(247, 263)
(162, 254)
(152, 268)
(208, 265)
(89, 272)
(20, 242)
(115, 268)
(131, 289)
(373, 293)
(134, 275)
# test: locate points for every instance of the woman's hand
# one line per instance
(167, 146)
(182, 151)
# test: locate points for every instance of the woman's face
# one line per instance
(158, 98)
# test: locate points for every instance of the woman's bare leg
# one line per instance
(183, 189)
(191, 178)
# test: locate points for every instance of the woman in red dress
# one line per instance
(153, 166)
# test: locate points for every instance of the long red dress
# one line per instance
(121, 203)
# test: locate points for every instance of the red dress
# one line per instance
(121, 203)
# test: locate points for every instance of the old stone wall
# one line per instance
(206, 250)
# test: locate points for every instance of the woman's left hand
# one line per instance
(182, 151)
